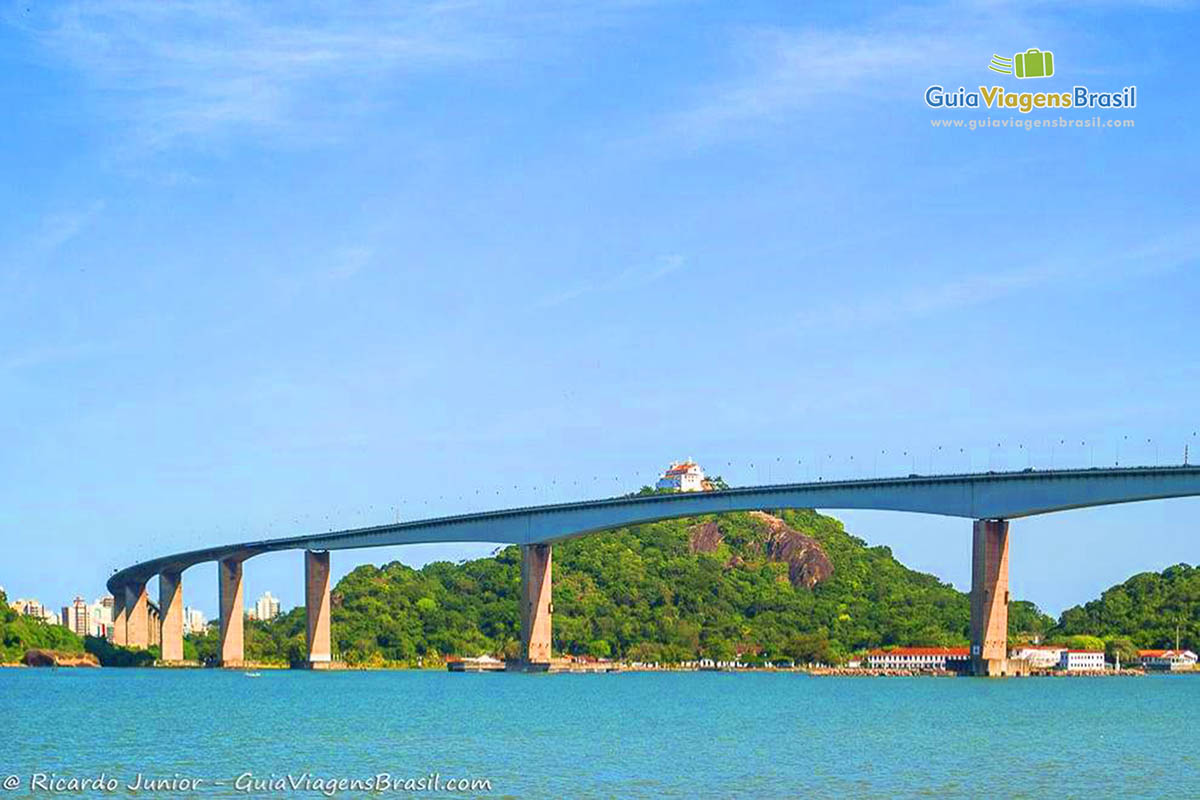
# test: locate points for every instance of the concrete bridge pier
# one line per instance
(536, 607)
(317, 608)
(989, 598)
(153, 626)
(137, 616)
(170, 607)
(229, 589)
(119, 634)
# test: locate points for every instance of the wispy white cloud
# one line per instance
(629, 278)
(20, 260)
(348, 262)
(59, 228)
(905, 304)
(196, 69)
(340, 266)
(788, 70)
(41, 355)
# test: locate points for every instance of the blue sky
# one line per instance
(271, 269)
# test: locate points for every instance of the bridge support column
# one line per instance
(989, 598)
(137, 617)
(153, 626)
(316, 606)
(170, 607)
(536, 606)
(119, 636)
(229, 577)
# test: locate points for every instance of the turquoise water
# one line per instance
(627, 735)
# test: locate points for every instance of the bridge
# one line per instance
(990, 499)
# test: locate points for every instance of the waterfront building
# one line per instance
(484, 663)
(1170, 660)
(919, 658)
(1081, 660)
(683, 476)
(1039, 656)
(266, 608)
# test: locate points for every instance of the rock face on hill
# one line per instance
(808, 564)
(54, 658)
(704, 538)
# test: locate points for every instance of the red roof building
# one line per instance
(918, 658)
(1167, 659)
(682, 476)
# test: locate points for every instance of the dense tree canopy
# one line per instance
(1148, 610)
(20, 633)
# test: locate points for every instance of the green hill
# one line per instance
(20, 633)
(1148, 610)
(796, 585)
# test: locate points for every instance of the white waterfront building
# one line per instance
(1081, 660)
(1171, 660)
(1039, 656)
(918, 658)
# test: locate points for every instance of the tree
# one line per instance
(1120, 648)
(718, 483)
(809, 648)
(1085, 642)
(599, 648)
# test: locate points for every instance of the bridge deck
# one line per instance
(992, 495)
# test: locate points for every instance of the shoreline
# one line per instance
(816, 672)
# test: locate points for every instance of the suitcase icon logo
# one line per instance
(1033, 63)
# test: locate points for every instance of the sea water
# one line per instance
(213, 733)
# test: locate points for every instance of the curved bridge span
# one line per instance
(989, 498)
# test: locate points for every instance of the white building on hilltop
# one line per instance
(683, 476)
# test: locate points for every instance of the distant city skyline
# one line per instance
(95, 618)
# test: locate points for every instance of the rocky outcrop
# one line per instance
(54, 658)
(705, 538)
(807, 562)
